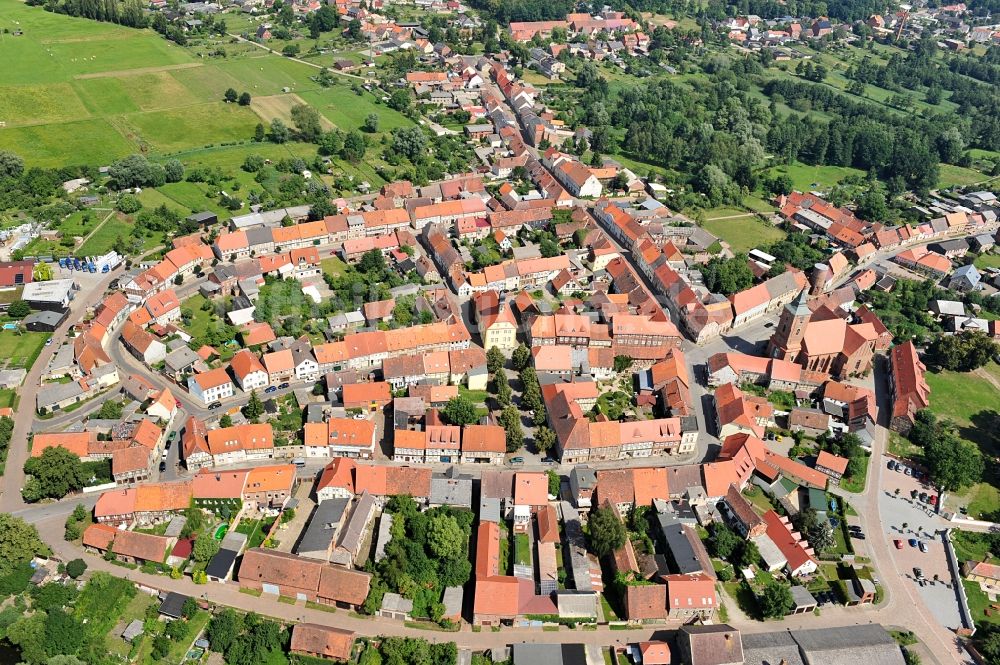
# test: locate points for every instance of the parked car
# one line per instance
(163, 467)
(215, 405)
(858, 535)
(908, 471)
(932, 499)
(898, 543)
(923, 497)
(283, 385)
(517, 460)
(271, 389)
(923, 547)
(912, 542)
(172, 435)
(919, 574)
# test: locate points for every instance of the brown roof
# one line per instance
(548, 525)
(646, 601)
(295, 573)
(143, 546)
(314, 639)
(742, 508)
(833, 462)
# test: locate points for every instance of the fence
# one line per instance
(956, 576)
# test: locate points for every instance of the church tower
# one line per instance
(787, 340)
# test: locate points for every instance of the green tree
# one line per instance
(775, 600)
(399, 100)
(226, 420)
(965, 352)
(354, 147)
(727, 276)
(444, 537)
(205, 548)
(254, 408)
(128, 204)
(607, 533)
(724, 541)
(54, 474)
(174, 170)
(245, 99)
(110, 410)
(520, 358)
(371, 123)
(11, 165)
(510, 420)
(494, 360)
(545, 439)
(161, 647)
(307, 122)
(622, 363)
(279, 131)
(76, 568)
(554, 482)
(503, 390)
(259, 133)
(224, 630)
(460, 411)
(230, 95)
(63, 633)
(18, 309)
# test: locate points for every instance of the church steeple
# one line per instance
(787, 340)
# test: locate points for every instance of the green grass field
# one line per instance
(806, 178)
(962, 397)
(744, 233)
(951, 176)
(83, 92)
(988, 261)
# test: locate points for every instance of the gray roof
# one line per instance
(384, 536)
(679, 545)
(489, 509)
(58, 392)
(355, 530)
(451, 491)
(46, 317)
(132, 631)
(770, 649)
(181, 358)
(549, 654)
(865, 643)
(802, 597)
(260, 235)
(393, 602)
(323, 527)
(452, 600)
(175, 526)
(576, 603)
(234, 540)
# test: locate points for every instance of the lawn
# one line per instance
(760, 501)
(745, 233)
(978, 603)
(476, 396)
(982, 500)
(255, 530)
(104, 237)
(966, 399)
(201, 320)
(969, 545)
(20, 349)
(522, 549)
(806, 178)
(988, 261)
(8, 397)
(333, 266)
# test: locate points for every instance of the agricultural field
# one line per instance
(79, 91)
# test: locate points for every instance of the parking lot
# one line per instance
(907, 519)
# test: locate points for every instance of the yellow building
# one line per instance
(496, 321)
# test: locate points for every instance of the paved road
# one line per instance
(13, 478)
